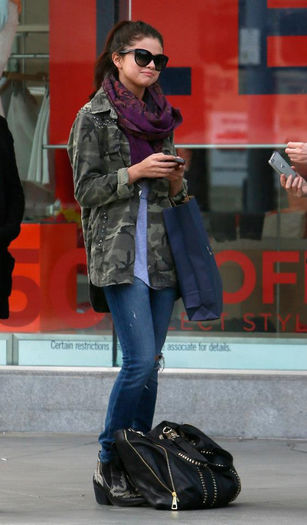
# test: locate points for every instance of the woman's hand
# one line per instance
(176, 180)
(297, 186)
(156, 166)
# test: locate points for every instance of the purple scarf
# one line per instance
(145, 122)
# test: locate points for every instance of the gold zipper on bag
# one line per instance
(175, 499)
(214, 487)
(236, 475)
(171, 434)
(174, 505)
(203, 484)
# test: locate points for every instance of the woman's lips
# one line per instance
(147, 73)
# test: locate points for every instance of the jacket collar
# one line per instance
(100, 104)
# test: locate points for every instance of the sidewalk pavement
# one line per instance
(47, 479)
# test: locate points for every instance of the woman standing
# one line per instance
(123, 157)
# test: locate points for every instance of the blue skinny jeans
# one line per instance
(141, 316)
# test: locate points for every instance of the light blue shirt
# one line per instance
(140, 265)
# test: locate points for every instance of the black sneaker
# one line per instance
(113, 487)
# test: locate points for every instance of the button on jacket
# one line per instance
(100, 155)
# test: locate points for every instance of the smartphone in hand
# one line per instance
(179, 160)
(280, 165)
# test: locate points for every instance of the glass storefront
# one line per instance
(241, 98)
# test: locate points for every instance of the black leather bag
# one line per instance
(178, 467)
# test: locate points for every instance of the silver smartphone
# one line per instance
(280, 165)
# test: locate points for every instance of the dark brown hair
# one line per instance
(121, 36)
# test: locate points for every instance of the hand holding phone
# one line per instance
(280, 165)
(178, 160)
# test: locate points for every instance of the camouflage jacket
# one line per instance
(99, 153)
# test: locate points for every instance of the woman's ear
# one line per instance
(117, 60)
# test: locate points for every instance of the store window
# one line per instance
(25, 98)
(238, 94)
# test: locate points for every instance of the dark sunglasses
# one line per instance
(143, 57)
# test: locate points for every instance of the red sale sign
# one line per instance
(44, 296)
(243, 65)
(237, 69)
